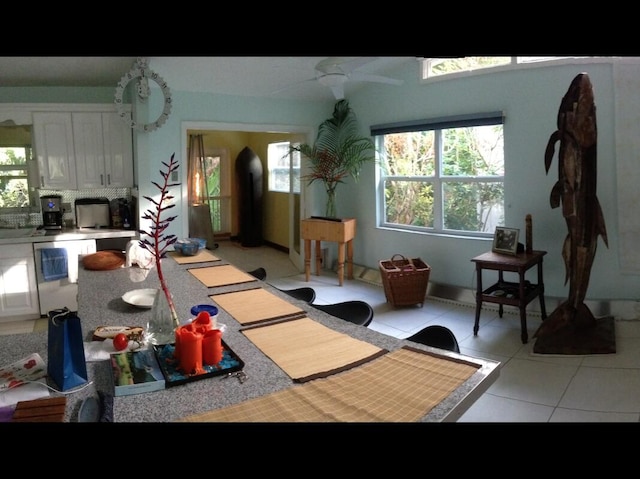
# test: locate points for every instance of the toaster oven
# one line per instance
(93, 213)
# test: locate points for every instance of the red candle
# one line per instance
(212, 347)
(190, 352)
(178, 335)
(176, 350)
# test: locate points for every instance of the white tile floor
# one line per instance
(530, 388)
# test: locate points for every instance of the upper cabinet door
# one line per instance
(118, 151)
(89, 150)
(53, 133)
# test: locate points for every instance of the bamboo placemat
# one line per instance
(200, 257)
(255, 305)
(306, 349)
(401, 386)
(213, 276)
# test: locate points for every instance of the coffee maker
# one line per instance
(52, 211)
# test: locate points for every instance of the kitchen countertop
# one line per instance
(66, 234)
(100, 300)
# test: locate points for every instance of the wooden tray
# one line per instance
(104, 260)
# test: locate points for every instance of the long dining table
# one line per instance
(288, 348)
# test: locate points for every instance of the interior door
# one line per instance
(296, 200)
(295, 192)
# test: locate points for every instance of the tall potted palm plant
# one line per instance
(339, 151)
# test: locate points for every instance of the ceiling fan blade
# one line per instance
(343, 64)
(361, 76)
(292, 85)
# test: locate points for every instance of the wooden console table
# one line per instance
(341, 232)
(515, 294)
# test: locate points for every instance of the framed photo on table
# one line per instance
(505, 240)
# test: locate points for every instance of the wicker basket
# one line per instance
(405, 280)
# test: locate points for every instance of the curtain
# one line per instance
(199, 213)
(196, 177)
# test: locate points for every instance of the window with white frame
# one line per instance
(440, 67)
(444, 175)
(284, 168)
(15, 180)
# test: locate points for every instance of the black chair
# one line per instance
(304, 293)
(356, 311)
(436, 336)
(259, 273)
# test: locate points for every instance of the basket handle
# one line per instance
(408, 266)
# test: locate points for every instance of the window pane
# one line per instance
(409, 203)
(443, 66)
(473, 151)
(281, 168)
(14, 187)
(14, 192)
(212, 175)
(473, 206)
(409, 154)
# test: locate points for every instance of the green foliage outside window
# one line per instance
(461, 169)
(14, 187)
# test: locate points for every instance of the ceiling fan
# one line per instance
(335, 72)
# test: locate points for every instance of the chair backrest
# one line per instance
(304, 293)
(259, 273)
(436, 336)
(356, 311)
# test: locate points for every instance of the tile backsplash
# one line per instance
(68, 196)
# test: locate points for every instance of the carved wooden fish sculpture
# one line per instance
(576, 191)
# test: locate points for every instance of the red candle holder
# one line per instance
(197, 343)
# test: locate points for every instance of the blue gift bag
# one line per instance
(66, 364)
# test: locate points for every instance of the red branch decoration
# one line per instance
(158, 242)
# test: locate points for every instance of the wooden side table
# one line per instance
(340, 231)
(502, 292)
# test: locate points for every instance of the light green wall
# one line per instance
(530, 99)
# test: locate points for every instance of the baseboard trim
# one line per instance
(622, 310)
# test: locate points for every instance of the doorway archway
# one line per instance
(296, 202)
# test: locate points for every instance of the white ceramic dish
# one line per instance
(142, 298)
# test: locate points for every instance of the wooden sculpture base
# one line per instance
(597, 339)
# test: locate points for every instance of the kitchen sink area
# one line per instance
(10, 233)
(25, 293)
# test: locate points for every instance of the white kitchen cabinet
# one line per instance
(18, 286)
(53, 135)
(103, 150)
(118, 151)
(86, 149)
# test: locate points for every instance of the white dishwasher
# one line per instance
(60, 293)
